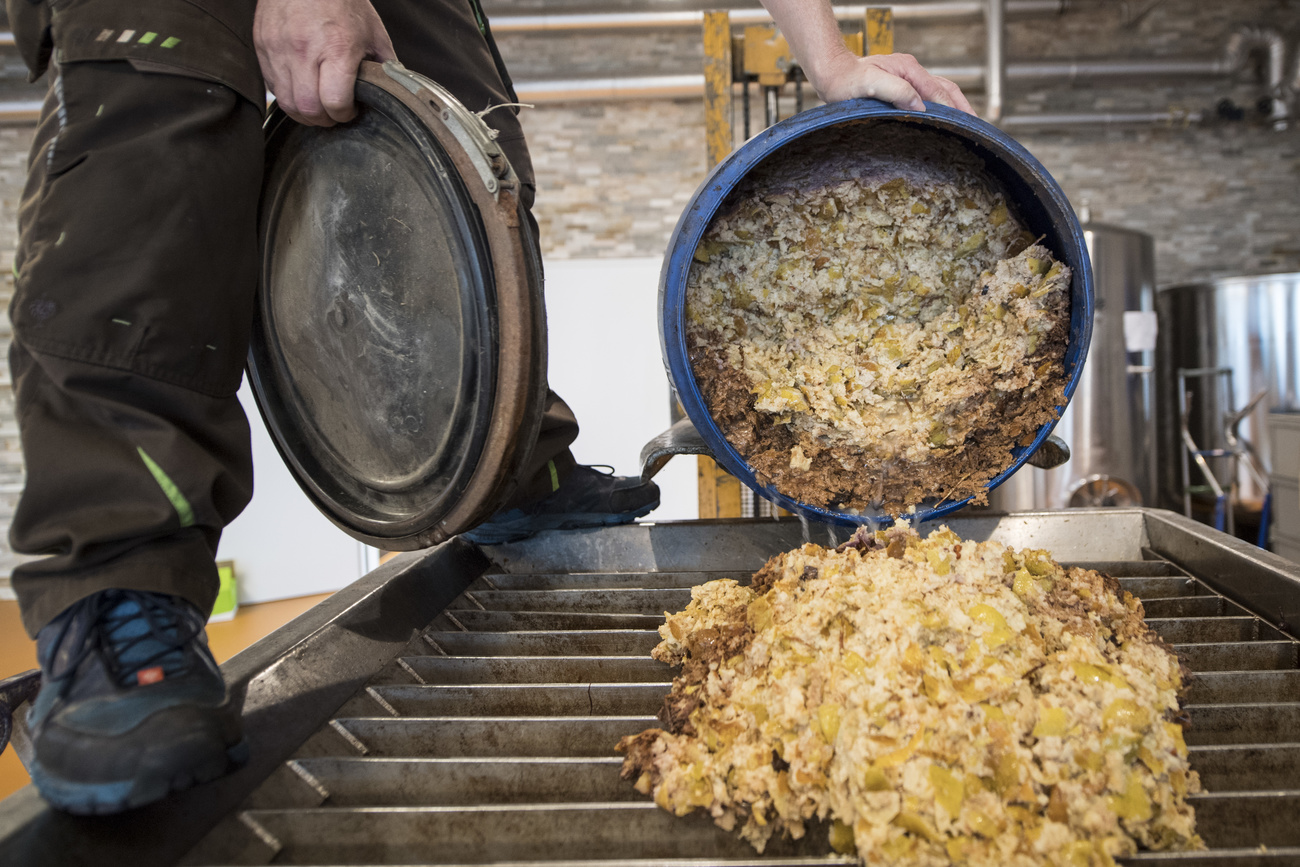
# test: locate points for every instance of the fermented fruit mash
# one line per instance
(871, 324)
(933, 700)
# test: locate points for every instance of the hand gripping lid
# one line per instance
(398, 347)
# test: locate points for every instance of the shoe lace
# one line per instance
(114, 634)
(604, 469)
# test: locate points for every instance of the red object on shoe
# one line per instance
(146, 676)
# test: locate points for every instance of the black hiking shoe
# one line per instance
(587, 498)
(132, 705)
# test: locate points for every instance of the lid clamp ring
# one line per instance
(470, 130)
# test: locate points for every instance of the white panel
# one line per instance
(1140, 330)
(1286, 507)
(605, 362)
(282, 546)
(1284, 437)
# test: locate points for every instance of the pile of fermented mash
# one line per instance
(937, 701)
(871, 324)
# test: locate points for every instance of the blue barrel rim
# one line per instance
(727, 175)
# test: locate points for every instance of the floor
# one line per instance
(18, 653)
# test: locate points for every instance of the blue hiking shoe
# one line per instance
(132, 706)
(587, 498)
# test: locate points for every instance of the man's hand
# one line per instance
(310, 51)
(895, 78)
(837, 73)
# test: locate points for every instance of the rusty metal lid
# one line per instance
(398, 347)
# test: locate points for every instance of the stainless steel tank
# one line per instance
(1110, 424)
(1248, 325)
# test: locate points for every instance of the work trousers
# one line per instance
(135, 277)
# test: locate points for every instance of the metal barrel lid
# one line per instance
(1041, 203)
(398, 346)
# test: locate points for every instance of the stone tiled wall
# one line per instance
(582, 54)
(1218, 202)
(1223, 200)
(1219, 198)
(613, 178)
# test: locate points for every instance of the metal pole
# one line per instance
(771, 106)
(995, 78)
(744, 88)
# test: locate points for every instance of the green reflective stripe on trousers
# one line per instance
(479, 17)
(555, 476)
(174, 496)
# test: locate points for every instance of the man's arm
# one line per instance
(310, 50)
(837, 73)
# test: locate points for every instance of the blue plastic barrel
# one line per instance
(1038, 198)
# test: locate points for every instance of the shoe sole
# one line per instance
(530, 525)
(99, 799)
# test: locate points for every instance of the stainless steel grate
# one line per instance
(494, 744)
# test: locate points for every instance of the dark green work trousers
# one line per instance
(137, 264)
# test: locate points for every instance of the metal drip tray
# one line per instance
(487, 738)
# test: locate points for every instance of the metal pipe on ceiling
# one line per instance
(601, 89)
(1246, 41)
(688, 86)
(1153, 118)
(926, 11)
(967, 76)
(614, 89)
(971, 76)
(1236, 53)
(1094, 70)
